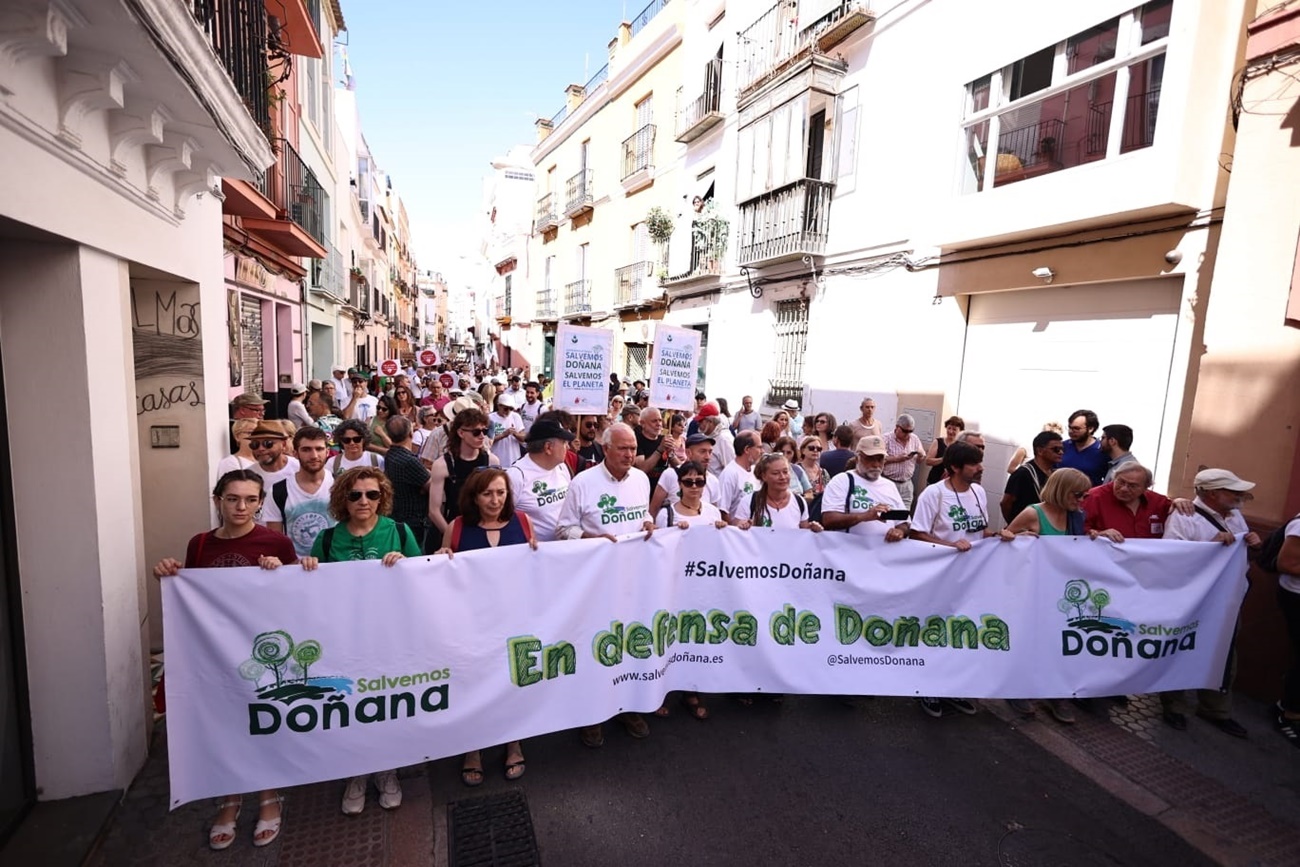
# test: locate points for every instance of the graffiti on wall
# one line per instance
(167, 346)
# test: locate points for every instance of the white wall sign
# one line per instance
(673, 368)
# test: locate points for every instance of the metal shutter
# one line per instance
(250, 326)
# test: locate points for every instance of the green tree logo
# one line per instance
(273, 650)
(539, 487)
(290, 662)
(1083, 607)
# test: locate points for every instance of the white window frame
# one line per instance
(1129, 51)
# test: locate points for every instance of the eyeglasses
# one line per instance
(355, 496)
(350, 440)
(232, 500)
(693, 483)
(381, 408)
(476, 431)
(263, 444)
(812, 448)
(1060, 450)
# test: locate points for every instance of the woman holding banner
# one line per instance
(774, 504)
(238, 541)
(360, 501)
(488, 519)
(690, 510)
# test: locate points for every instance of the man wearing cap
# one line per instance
(267, 442)
(339, 378)
(724, 449)
(903, 447)
(694, 425)
(699, 449)
(540, 479)
(1217, 518)
(247, 406)
(507, 430)
(858, 499)
(295, 411)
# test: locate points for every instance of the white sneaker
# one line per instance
(390, 790)
(354, 796)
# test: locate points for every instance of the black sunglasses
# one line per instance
(354, 496)
(352, 440)
(476, 431)
(693, 483)
(263, 444)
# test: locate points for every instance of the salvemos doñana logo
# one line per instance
(1088, 628)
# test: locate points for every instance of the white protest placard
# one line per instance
(390, 367)
(582, 361)
(429, 357)
(672, 372)
(286, 677)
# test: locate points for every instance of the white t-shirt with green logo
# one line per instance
(735, 485)
(788, 517)
(941, 511)
(598, 503)
(865, 495)
(539, 494)
(305, 515)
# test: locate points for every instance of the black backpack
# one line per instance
(1272, 547)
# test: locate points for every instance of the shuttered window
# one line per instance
(638, 362)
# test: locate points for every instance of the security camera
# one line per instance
(1044, 274)
(1173, 257)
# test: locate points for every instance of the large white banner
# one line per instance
(672, 373)
(582, 362)
(278, 678)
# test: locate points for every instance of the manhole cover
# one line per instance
(491, 831)
(1040, 847)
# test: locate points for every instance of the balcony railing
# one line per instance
(1140, 111)
(577, 298)
(635, 284)
(327, 273)
(236, 30)
(546, 216)
(596, 80)
(789, 221)
(702, 113)
(578, 197)
(778, 38)
(292, 187)
(545, 308)
(648, 13)
(706, 261)
(639, 151)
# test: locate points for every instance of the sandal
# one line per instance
(225, 829)
(271, 825)
(695, 707)
(514, 769)
(471, 774)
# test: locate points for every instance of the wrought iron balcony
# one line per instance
(237, 32)
(639, 155)
(298, 198)
(577, 298)
(327, 274)
(789, 221)
(653, 8)
(545, 307)
(704, 112)
(578, 194)
(775, 42)
(706, 262)
(546, 216)
(635, 284)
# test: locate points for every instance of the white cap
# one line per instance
(1221, 480)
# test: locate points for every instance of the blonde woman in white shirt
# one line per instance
(774, 504)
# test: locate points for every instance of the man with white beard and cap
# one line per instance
(859, 499)
(1216, 517)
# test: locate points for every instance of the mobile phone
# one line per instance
(895, 515)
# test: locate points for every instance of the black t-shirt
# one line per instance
(589, 456)
(408, 475)
(1025, 486)
(646, 447)
(834, 460)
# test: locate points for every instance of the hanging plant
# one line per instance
(710, 232)
(659, 224)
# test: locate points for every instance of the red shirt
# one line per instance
(1103, 512)
(207, 549)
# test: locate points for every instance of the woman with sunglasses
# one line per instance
(690, 510)
(404, 404)
(351, 436)
(824, 428)
(466, 452)
(488, 519)
(360, 501)
(798, 480)
(237, 541)
(810, 455)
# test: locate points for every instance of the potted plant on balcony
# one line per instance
(709, 234)
(659, 226)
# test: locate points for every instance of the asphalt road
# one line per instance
(811, 782)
